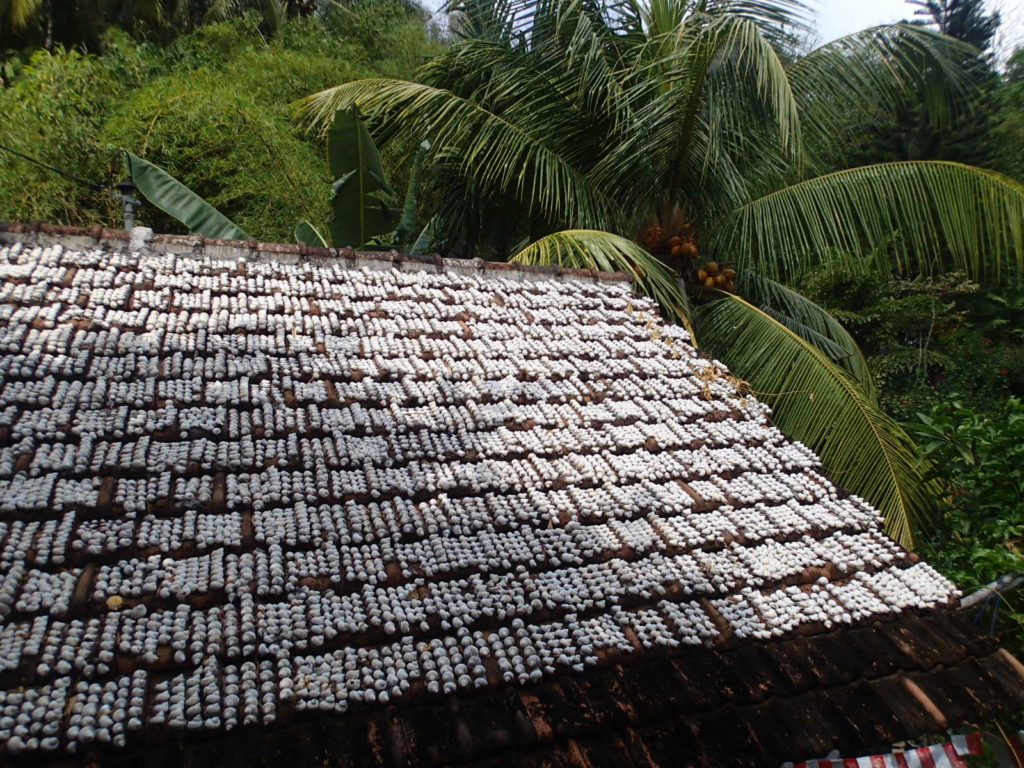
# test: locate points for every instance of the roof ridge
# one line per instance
(257, 250)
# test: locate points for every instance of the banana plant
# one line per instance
(406, 232)
(174, 198)
(358, 209)
(361, 213)
(310, 235)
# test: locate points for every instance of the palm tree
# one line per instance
(16, 14)
(656, 136)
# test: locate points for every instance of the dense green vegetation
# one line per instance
(213, 106)
(870, 267)
(1009, 128)
(906, 131)
(979, 460)
(947, 358)
(947, 353)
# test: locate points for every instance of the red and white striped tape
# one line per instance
(946, 755)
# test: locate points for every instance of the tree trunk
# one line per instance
(48, 38)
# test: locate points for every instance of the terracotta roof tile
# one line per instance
(611, 749)
(265, 504)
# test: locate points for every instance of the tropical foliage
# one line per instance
(699, 130)
(361, 210)
(84, 22)
(177, 200)
(947, 359)
(769, 195)
(212, 108)
(906, 131)
(807, 388)
(980, 537)
(929, 340)
(1009, 124)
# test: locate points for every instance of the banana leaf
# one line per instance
(359, 211)
(406, 229)
(174, 198)
(307, 234)
(425, 239)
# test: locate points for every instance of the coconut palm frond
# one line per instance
(756, 65)
(588, 50)
(974, 215)
(676, 77)
(504, 158)
(508, 83)
(818, 403)
(773, 16)
(880, 67)
(810, 322)
(606, 252)
(676, 66)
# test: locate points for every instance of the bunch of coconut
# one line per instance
(711, 275)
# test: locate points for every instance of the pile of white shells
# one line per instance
(271, 487)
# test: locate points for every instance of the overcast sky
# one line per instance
(841, 17)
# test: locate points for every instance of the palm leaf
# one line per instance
(780, 20)
(723, 70)
(18, 13)
(520, 87)
(880, 67)
(174, 198)
(587, 49)
(974, 215)
(821, 405)
(502, 157)
(482, 19)
(606, 252)
(812, 323)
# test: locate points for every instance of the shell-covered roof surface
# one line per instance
(239, 493)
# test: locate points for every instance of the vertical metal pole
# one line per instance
(129, 214)
(125, 193)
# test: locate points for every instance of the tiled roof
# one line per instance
(260, 504)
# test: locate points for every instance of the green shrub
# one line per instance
(225, 130)
(213, 108)
(979, 459)
(55, 111)
(926, 339)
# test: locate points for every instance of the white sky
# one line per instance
(841, 17)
